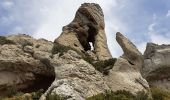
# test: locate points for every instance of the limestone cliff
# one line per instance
(156, 68)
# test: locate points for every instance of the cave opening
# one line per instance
(42, 82)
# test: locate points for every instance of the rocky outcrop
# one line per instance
(157, 65)
(71, 61)
(87, 26)
(131, 53)
(76, 79)
(125, 74)
(22, 65)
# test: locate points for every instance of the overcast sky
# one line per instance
(141, 21)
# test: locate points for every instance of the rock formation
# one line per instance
(23, 64)
(156, 68)
(76, 79)
(28, 60)
(125, 74)
(87, 26)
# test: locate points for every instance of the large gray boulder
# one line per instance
(156, 68)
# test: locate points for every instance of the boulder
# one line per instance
(19, 68)
(157, 65)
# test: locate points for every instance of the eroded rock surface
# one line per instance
(21, 64)
(156, 68)
(76, 79)
(125, 74)
(87, 26)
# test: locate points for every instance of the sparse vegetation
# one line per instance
(24, 43)
(46, 62)
(102, 66)
(159, 94)
(105, 66)
(37, 46)
(15, 95)
(120, 95)
(54, 96)
(4, 40)
(37, 95)
(12, 91)
(59, 48)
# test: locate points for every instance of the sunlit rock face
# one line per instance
(125, 74)
(87, 26)
(157, 65)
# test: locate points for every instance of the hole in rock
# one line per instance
(87, 37)
(91, 45)
(41, 82)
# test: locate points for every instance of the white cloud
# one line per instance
(141, 47)
(155, 36)
(62, 13)
(45, 18)
(168, 14)
(151, 27)
(7, 4)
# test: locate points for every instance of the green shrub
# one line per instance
(88, 58)
(97, 97)
(119, 95)
(12, 91)
(24, 43)
(59, 48)
(159, 94)
(4, 40)
(102, 66)
(141, 95)
(37, 95)
(54, 97)
(46, 62)
(105, 66)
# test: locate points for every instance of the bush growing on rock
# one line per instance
(13, 94)
(120, 95)
(102, 66)
(105, 65)
(4, 40)
(59, 48)
(46, 62)
(159, 94)
(54, 97)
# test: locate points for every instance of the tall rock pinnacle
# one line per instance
(87, 27)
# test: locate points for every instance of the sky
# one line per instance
(141, 21)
